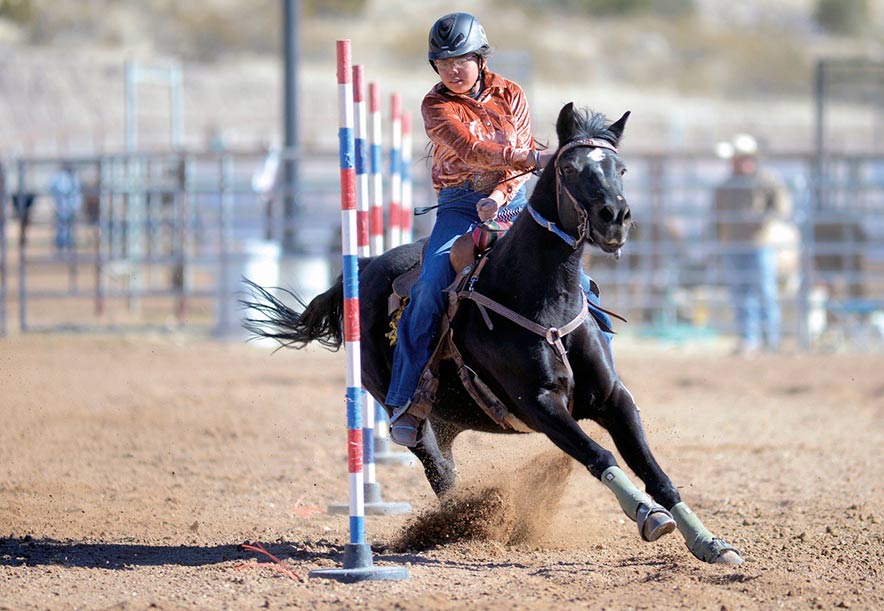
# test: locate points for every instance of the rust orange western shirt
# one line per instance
(475, 139)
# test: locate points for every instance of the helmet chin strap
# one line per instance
(477, 86)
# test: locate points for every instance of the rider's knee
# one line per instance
(428, 295)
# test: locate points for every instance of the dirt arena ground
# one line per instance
(133, 469)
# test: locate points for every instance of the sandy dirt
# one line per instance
(133, 469)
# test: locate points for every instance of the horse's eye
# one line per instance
(622, 171)
(568, 171)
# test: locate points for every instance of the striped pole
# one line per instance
(351, 295)
(405, 173)
(383, 452)
(363, 251)
(361, 150)
(358, 564)
(373, 502)
(395, 177)
(376, 193)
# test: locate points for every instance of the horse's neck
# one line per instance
(534, 266)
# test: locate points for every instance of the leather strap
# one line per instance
(552, 335)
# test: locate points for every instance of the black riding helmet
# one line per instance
(454, 35)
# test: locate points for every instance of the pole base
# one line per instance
(358, 566)
(374, 504)
(373, 509)
(384, 455)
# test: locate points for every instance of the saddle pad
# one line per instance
(485, 234)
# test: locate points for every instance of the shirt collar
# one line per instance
(492, 81)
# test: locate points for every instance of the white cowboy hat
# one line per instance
(742, 145)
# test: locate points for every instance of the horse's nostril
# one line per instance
(607, 214)
(627, 216)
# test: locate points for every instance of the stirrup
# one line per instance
(406, 430)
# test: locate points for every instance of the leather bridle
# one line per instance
(584, 229)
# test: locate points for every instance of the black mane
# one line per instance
(591, 124)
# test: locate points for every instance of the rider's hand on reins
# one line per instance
(487, 209)
(545, 156)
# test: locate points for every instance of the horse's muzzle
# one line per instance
(612, 239)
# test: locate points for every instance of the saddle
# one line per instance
(468, 256)
(467, 259)
(465, 251)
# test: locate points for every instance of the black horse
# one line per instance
(533, 270)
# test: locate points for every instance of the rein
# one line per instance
(423, 210)
(543, 222)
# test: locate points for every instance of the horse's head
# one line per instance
(589, 178)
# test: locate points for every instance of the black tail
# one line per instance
(321, 320)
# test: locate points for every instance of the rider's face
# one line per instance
(459, 74)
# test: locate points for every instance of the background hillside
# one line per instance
(692, 71)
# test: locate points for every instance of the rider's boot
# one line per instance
(407, 421)
(405, 428)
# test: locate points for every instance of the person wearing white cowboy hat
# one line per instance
(742, 145)
(750, 208)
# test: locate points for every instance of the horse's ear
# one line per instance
(617, 127)
(566, 125)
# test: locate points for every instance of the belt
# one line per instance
(482, 183)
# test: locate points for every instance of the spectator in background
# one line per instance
(749, 207)
(68, 195)
(264, 185)
(22, 204)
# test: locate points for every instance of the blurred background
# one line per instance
(137, 138)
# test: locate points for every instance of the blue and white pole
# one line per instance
(383, 451)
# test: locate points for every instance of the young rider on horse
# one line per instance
(480, 128)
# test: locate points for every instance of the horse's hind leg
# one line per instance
(434, 452)
(621, 419)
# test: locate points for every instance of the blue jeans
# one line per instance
(752, 274)
(64, 231)
(420, 320)
(600, 316)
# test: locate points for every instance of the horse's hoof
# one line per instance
(729, 556)
(654, 522)
(657, 525)
(717, 551)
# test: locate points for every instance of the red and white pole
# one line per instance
(395, 175)
(362, 237)
(376, 190)
(362, 247)
(405, 174)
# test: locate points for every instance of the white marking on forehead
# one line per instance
(597, 154)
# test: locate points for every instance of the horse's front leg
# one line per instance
(551, 417)
(620, 417)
